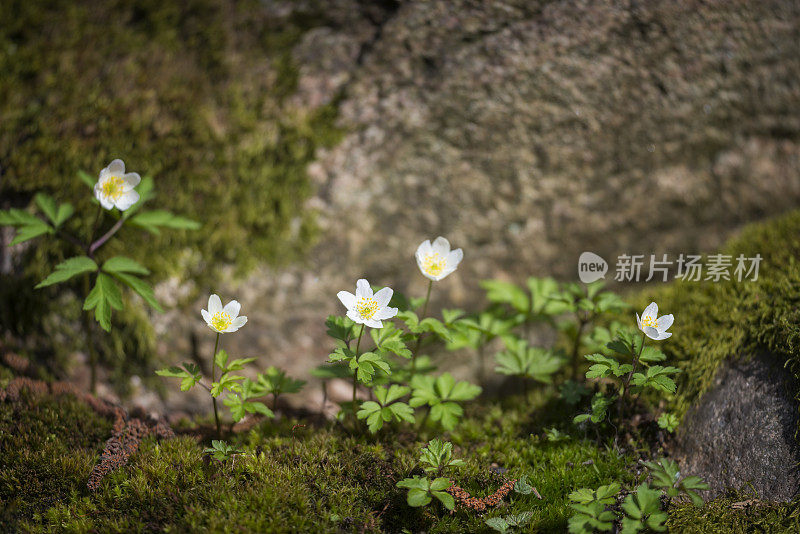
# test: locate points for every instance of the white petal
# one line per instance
(442, 246)
(362, 289)
(355, 317)
(385, 313)
(638, 321)
(127, 200)
(237, 324)
(664, 322)
(650, 311)
(664, 335)
(373, 323)
(105, 202)
(232, 308)
(116, 168)
(445, 273)
(454, 258)
(651, 332)
(383, 296)
(347, 298)
(423, 249)
(214, 304)
(130, 181)
(206, 316)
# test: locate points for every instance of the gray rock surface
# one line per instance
(527, 132)
(741, 434)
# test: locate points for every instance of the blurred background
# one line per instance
(321, 141)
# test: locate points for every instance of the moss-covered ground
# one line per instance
(321, 478)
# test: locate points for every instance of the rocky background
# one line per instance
(528, 132)
(524, 131)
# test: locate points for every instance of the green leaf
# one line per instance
(47, 205)
(221, 359)
(340, 328)
(506, 293)
(153, 220)
(85, 178)
(497, 523)
(28, 232)
(445, 498)
(141, 287)
(104, 296)
(522, 486)
(67, 269)
(64, 212)
(190, 374)
(121, 264)
(447, 413)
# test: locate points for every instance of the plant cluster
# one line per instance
(119, 196)
(643, 508)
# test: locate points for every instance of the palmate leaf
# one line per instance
(67, 269)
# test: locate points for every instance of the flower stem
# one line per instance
(355, 372)
(100, 242)
(635, 361)
(213, 379)
(419, 337)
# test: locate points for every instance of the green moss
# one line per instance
(193, 93)
(748, 515)
(717, 321)
(321, 480)
(47, 446)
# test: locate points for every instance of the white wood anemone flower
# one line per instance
(367, 308)
(223, 320)
(436, 260)
(114, 189)
(652, 327)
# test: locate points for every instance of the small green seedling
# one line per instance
(438, 456)
(221, 451)
(667, 477)
(668, 421)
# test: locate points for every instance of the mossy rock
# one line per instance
(738, 344)
(194, 94)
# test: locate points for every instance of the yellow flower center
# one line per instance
(649, 321)
(112, 187)
(220, 321)
(367, 307)
(434, 264)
